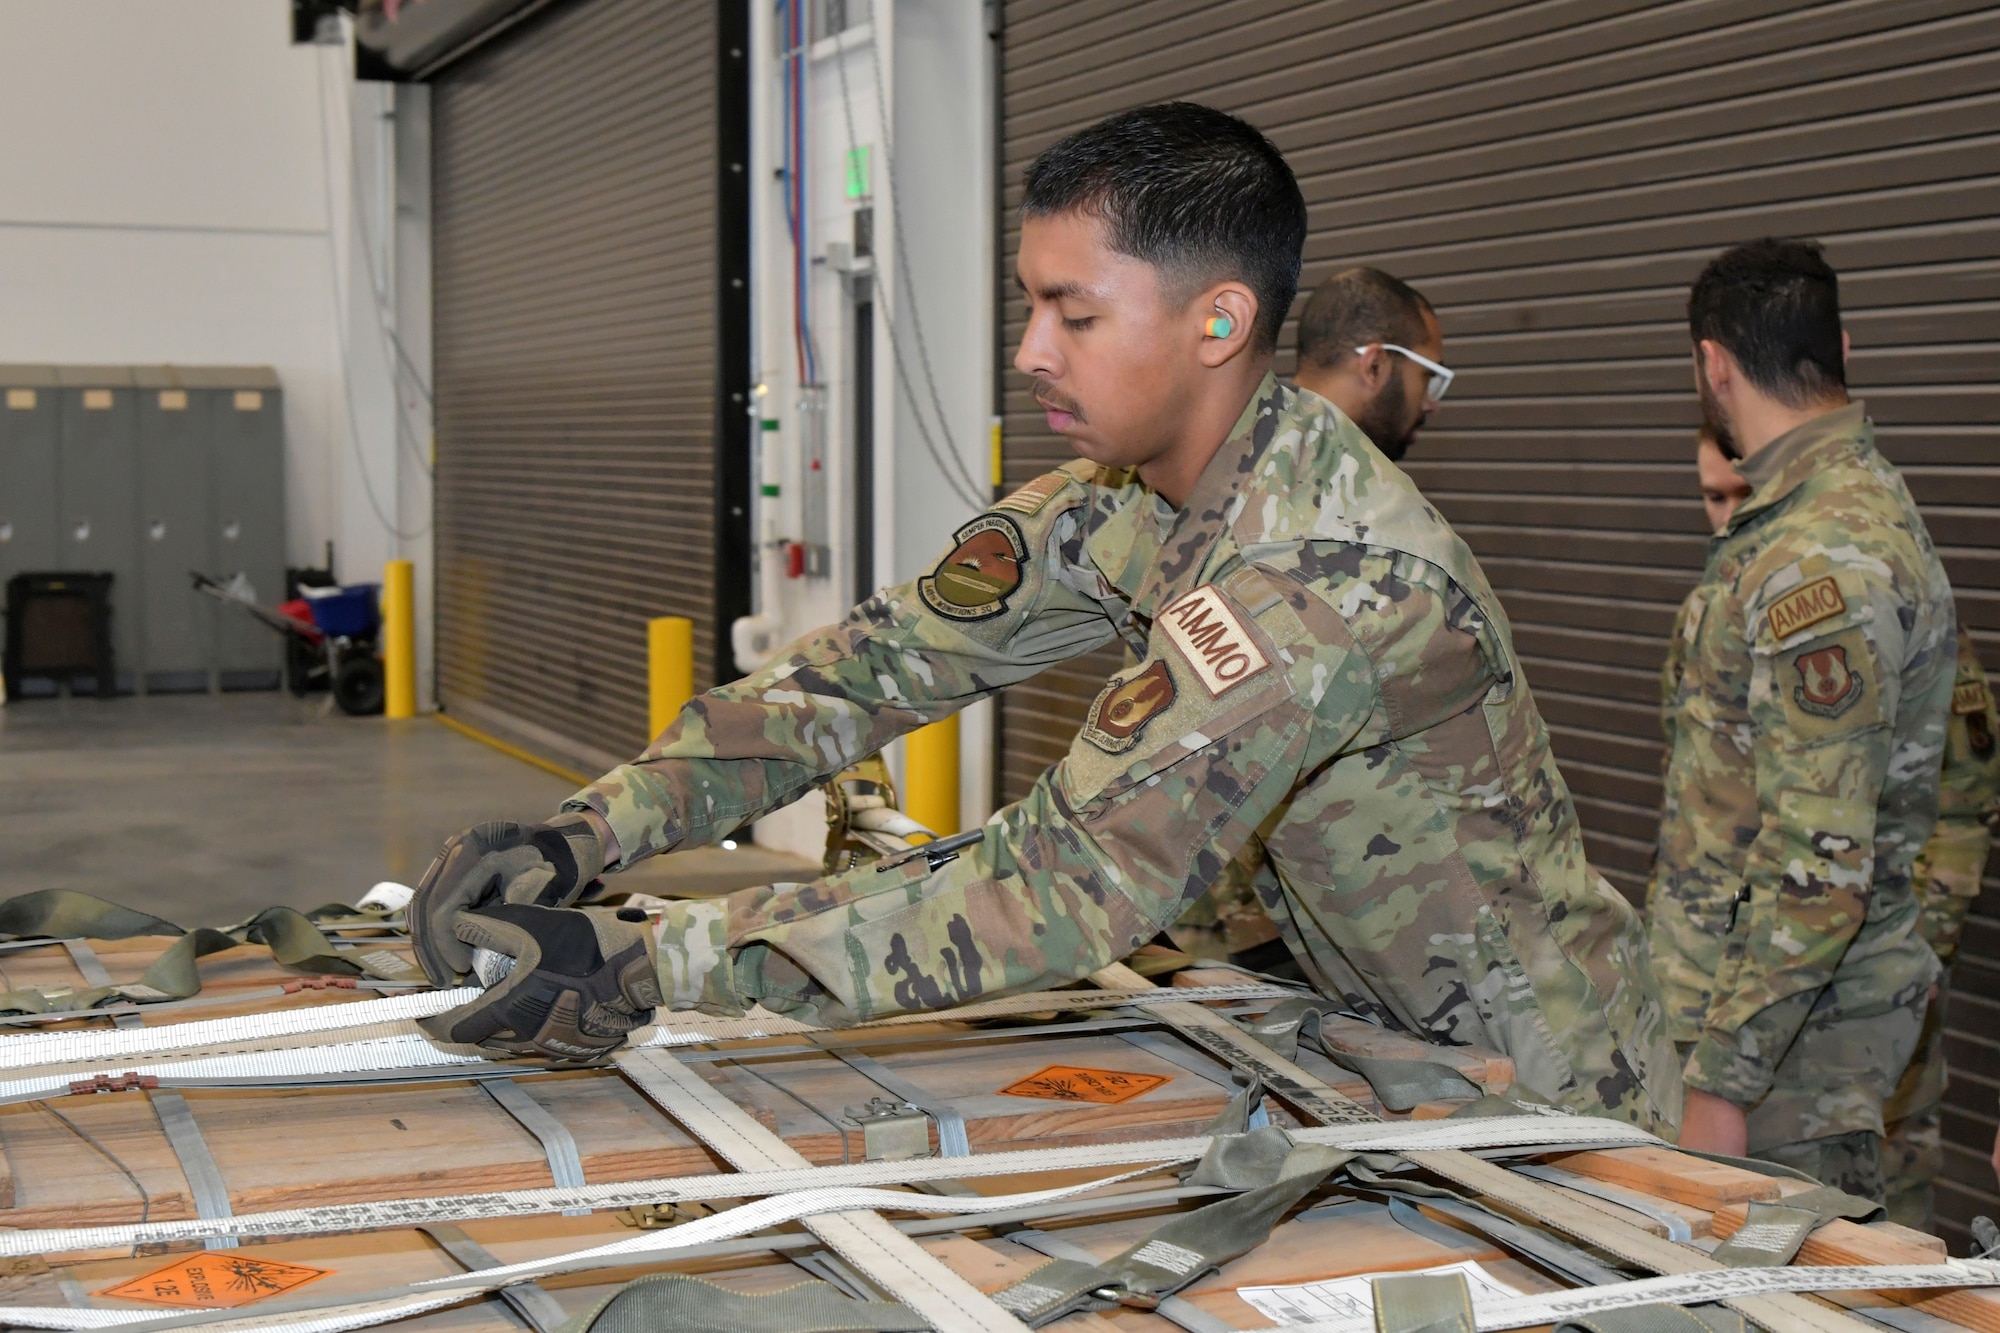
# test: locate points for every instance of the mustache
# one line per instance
(1051, 397)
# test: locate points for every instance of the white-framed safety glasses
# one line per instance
(1441, 376)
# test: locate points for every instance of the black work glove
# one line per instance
(549, 865)
(581, 979)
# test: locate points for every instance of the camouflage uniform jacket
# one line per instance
(1318, 662)
(1806, 731)
(1671, 672)
(1951, 863)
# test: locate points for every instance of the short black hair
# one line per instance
(1193, 191)
(1775, 304)
(1355, 307)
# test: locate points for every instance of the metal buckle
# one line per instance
(891, 1131)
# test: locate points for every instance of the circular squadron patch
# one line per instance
(981, 573)
(1124, 707)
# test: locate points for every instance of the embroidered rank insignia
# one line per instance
(1805, 607)
(1827, 686)
(981, 573)
(1969, 697)
(1030, 498)
(1213, 640)
(1124, 707)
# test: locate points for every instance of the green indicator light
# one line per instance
(857, 172)
(770, 423)
(771, 491)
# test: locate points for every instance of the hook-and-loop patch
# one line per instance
(1206, 630)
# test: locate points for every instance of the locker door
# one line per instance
(27, 470)
(98, 497)
(174, 525)
(247, 517)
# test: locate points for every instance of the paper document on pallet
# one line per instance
(1354, 1297)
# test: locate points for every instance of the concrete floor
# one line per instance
(203, 809)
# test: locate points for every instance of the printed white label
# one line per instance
(1176, 1259)
(1353, 1297)
(1770, 1237)
(1214, 642)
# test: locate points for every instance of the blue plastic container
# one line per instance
(348, 612)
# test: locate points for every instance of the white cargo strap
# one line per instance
(396, 1017)
(1485, 1133)
(903, 1269)
(803, 1193)
(1729, 1285)
(1726, 1284)
(1778, 1313)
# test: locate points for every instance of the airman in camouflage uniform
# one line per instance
(1947, 878)
(1317, 663)
(1722, 489)
(1806, 733)
(1320, 662)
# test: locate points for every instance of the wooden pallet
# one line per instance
(279, 1148)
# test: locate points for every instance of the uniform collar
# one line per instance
(1783, 465)
(1209, 506)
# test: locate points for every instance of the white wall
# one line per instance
(176, 186)
(933, 63)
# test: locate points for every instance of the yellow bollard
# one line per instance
(930, 776)
(399, 639)
(669, 670)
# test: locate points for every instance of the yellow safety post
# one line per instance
(930, 776)
(399, 639)
(669, 670)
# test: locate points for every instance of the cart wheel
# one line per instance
(357, 685)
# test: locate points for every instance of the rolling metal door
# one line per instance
(583, 336)
(1553, 175)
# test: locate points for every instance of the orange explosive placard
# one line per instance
(1068, 1083)
(212, 1281)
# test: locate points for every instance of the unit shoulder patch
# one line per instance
(1207, 632)
(1969, 697)
(1030, 498)
(1124, 707)
(1827, 685)
(982, 571)
(1805, 607)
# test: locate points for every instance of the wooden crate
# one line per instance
(314, 1146)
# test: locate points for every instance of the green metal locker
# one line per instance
(27, 470)
(247, 511)
(98, 496)
(175, 426)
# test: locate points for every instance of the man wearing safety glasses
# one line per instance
(1369, 344)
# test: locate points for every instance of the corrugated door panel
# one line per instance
(575, 293)
(1553, 175)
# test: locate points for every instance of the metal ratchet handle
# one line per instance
(936, 854)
